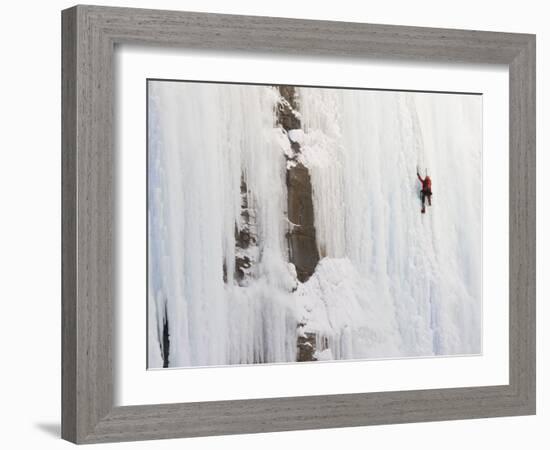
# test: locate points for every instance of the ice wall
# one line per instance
(203, 138)
(390, 283)
(423, 271)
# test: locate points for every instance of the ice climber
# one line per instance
(426, 191)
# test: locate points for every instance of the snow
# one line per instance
(338, 304)
(324, 355)
(391, 282)
(296, 136)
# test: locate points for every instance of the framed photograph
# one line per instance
(277, 224)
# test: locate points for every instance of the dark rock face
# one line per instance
(301, 237)
(286, 114)
(306, 347)
(242, 264)
(165, 340)
(308, 344)
(245, 238)
(303, 252)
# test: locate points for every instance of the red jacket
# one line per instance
(426, 182)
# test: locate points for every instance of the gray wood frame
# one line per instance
(89, 36)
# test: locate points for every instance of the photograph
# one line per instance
(275, 225)
(290, 224)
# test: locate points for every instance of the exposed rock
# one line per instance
(306, 347)
(242, 264)
(302, 247)
(245, 238)
(165, 339)
(303, 251)
(287, 115)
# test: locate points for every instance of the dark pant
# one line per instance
(426, 193)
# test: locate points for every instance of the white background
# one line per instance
(30, 223)
(134, 385)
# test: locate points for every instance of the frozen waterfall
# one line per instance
(390, 282)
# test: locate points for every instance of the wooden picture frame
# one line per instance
(90, 34)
